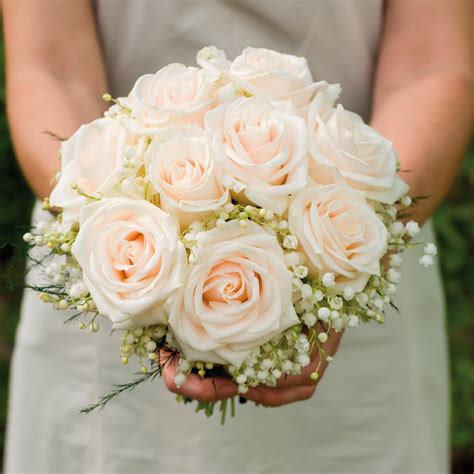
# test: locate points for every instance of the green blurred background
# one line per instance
(454, 223)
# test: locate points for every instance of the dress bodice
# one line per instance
(338, 37)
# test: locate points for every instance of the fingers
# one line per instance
(205, 390)
(289, 389)
(275, 397)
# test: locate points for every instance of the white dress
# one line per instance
(382, 405)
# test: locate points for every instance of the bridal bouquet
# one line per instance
(228, 216)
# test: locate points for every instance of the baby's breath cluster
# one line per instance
(65, 288)
(145, 343)
(282, 356)
(399, 235)
(53, 234)
(195, 236)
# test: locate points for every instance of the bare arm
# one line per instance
(55, 78)
(423, 96)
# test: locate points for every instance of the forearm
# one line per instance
(423, 96)
(429, 122)
(55, 77)
(59, 109)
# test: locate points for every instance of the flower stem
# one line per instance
(223, 411)
(208, 407)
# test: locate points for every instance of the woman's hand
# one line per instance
(288, 390)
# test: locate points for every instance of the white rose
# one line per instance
(262, 150)
(131, 258)
(213, 59)
(176, 92)
(342, 143)
(236, 297)
(180, 165)
(92, 159)
(339, 233)
(269, 74)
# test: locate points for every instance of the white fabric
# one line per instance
(382, 405)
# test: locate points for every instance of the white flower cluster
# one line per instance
(65, 288)
(231, 214)
(286, 355)
(145, 343)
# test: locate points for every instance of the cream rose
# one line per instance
(236, 297)
(342, 143)
(92, 159)
(262, 150)
(180, 165)
(176, 92)
(269, 74)
(131, 258)
(339, 233)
